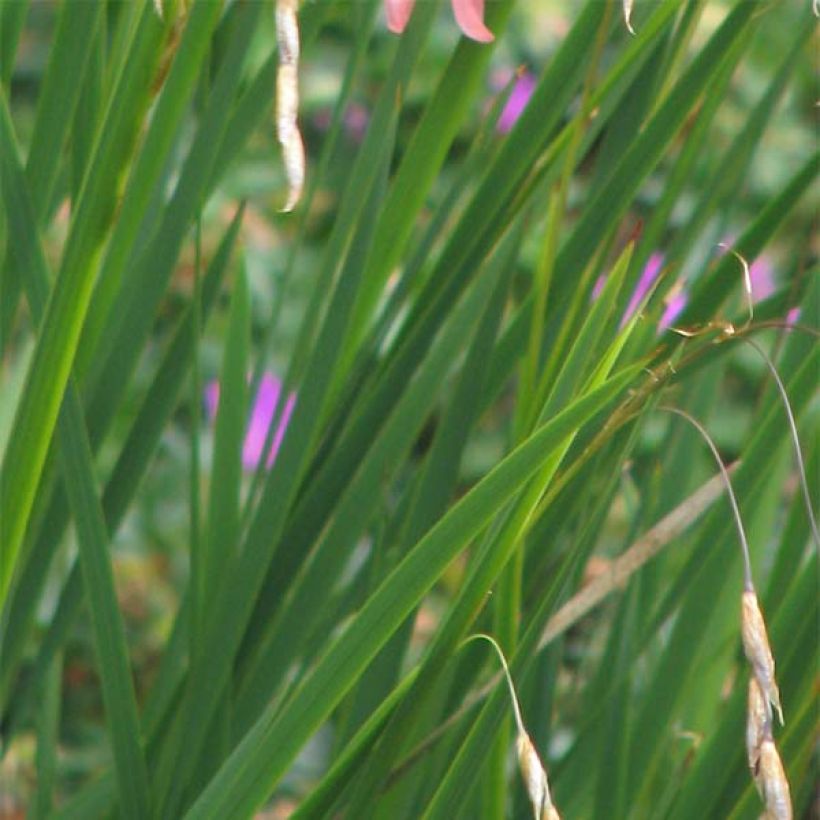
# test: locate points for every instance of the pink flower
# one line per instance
(469, 15)
(762, 275)
(676, 300)
(793, 315)
(648, 277)
(673, 309)
(517, 101)
(264, 407)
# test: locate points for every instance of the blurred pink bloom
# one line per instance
(517, 101)
(793, 315)
(762, 275)
(267, 398)
(676, 301)
(354, 120)
(673, 309)
(469, 15)
(648, 277)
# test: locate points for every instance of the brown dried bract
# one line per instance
(287, 99)
(535, 778)
(758, 651)
(757, 722)
(773, 784)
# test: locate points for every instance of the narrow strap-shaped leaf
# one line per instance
(50, 366)
(266, 751)
(130, 467)
(112, 651)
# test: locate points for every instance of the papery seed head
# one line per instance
(756, 726)
(535, 777)
(287, 99)
(628, 15)
(757, 649)
(773, 782)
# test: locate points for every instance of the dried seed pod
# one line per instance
(535, 778)
(287, 99)
(628, 15)
(757, 722)
(532, 769)
(758, 651)
(773, 784)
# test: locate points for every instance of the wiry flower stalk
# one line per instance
(287, 99)
(764, 695)
(532, 769)
(748, 584)
(798, 453)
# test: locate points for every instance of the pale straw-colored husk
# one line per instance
(287, 99)
(773, 783)
(758, 651)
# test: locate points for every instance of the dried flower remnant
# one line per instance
(469, 15)
(532, 769)
(287, 99)
(772, 783)
(757, 649)
(628, 15)
(757, 721)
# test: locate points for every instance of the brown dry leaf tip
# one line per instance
(758, 652)
(628, 16)
(757, 724)
(773, 785)
(532, 769)
(287, 99)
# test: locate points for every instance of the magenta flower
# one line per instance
(675, 303)
(469, 15)
(264, 407)
(674, 306)
(516, 103)
(648, 277)
(762, 275)
(793, 315)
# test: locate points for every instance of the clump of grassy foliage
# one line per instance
(470, 354)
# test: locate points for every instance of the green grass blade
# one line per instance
(51, 363)
(75, 452)
(260, 760)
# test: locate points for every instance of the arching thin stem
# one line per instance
(519, 722)
(801, 467)
(748, 582)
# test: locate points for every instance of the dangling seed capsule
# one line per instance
(758, 651)
(756, 723)
(287, 99)
(773, 784)
(628, 15)
(535, 778)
